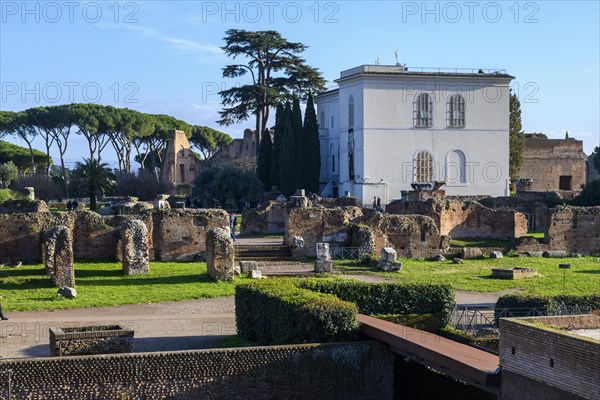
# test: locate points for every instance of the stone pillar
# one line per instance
(30, 193)
(134, 244)
(323, 262)
(219, 254)
(58, 256)
(161, 203)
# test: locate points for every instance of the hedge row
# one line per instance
(545, 304)
(277, 311)
(389, 298)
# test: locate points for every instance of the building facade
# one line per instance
(553, 164)
(180, 165)
(385, 128)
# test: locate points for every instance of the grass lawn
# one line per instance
(101, 283)
(476, 275)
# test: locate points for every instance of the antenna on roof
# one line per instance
(397, 62)
(377, 61)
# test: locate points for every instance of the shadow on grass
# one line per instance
(589, 271)
(92, 273)
(142, 280)
(14, 272)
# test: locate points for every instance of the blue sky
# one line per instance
(164, 56)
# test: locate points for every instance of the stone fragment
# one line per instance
(323, 265)
(134, 242)
(161, 203)
(469, 253)
(219, 254)
(67, 292)
(297, 242)
(439, 257)
(247, 266)
(323, 251)
(389, 255)
(237, 270)
(255, 274)
(30, 192)
(496, 254)
(457, 260)
(535, 253)
(555, 254)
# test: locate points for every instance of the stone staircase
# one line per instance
(259, 252)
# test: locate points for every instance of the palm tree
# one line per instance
(92, 177)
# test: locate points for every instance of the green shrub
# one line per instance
(389, 298)
(277, 311)
(546, 305)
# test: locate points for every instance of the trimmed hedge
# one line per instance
(546, 304)
(389, 298)
(277, 311)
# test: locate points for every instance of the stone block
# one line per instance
(58, 256)
(496, 254)
(323, 251)
(534, 253)
(134, 242)
(555, 254)
(439, 257)
(161, 203)
(297, 242)
(323, 265)
(255, 274)
(457, 260)
(219, 254)
(389, 266)
(68, 292)
(247, 266)
(469, 253)
(389, 255)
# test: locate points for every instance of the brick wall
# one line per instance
(574, 229)
(575, 360)
(359, 370)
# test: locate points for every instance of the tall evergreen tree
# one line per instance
(516, 137)
(277, 136)
(311, 149)
(299, 137)
(596, 158)
(265, 152)
(287, 163)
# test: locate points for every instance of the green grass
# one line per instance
(536, 234)
(100, 283)
(479, 242)
(476, 275)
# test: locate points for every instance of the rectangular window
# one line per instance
(332, 122)
(182, 172)
(332, 163)
(565, 182)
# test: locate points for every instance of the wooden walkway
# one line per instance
(466, 363)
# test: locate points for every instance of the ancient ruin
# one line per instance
(134, 240)
(58, 256)
(219, 254)
(88, 340)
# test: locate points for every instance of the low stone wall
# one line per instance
(89, 340)
(358, 370)
(409, 235)
(172, 235)
(269, 219)
(514, 273)
(465, 218)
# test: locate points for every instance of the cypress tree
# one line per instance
(277, 136)
(311, 157)
(516, 137)
(264, 161)
(299, 137)
(287, 161)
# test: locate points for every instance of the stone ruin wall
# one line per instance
(172, 235)
(574, 229)
(410, 235)
(465, 218)
(269, 219)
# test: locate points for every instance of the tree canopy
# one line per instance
(276, 73)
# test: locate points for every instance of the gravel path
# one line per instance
(182, 325)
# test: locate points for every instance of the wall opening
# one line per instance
(565, 182)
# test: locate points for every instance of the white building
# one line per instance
(386, 127)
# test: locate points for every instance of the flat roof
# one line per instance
(403, 70)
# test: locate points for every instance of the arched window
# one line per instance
(423, 165)
(456, 111)
(332, 155)
(351, 112)
(322, 121)
(422, 114)
(456, 168)
(332, 122)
